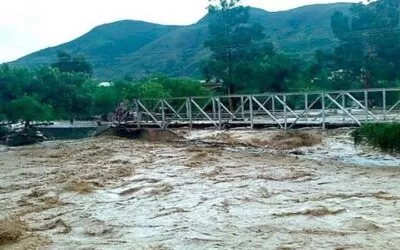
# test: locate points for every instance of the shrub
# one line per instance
(378, 135)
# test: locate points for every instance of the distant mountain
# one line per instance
(105, 46)
(138, 48)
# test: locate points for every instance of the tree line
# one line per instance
(66, 90)
(366, 55)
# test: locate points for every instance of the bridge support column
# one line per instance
(285, 111)
(138, 116)
(323, 111)
(366, 104)
(214, 109)
(344, 106)
(219, 113)
(306, 105)
(384, 104)
(189, 112)
(251, 112)
(273, 105)
(242, 106)
(163, 114)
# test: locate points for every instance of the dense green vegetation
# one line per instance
(382, 136)
(65, 90)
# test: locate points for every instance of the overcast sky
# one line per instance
(30, 25)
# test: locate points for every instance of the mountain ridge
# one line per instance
(138, 48)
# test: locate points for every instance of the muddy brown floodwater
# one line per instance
(214, 190)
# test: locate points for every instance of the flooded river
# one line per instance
(212, 190)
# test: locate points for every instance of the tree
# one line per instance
(276, 72)
(68, 93)
(151, 90)
(230, 41)
(369, 42)
(325, 73)
(105, 99)
(14, 82)
(181, 87)
(28, 109)
(26, 94)
(67, 63)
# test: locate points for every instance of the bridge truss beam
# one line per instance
(282, 110)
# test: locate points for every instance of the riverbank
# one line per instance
(213, 190)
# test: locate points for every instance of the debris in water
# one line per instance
(11, 230)
(288, 140)
(98, 230)
(322, 211)
(79, 186)
(66, 228)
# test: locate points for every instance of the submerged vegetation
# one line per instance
(383, 136)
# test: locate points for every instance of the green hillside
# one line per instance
(138, 48)
(105, 45)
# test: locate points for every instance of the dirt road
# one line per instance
(235, 190)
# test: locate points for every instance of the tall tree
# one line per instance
(230, 41)
(369, 42)
(276, 72)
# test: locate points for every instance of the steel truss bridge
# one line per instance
(283, 110)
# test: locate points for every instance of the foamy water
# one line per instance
(341, 148)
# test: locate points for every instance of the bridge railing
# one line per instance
(283, 110)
